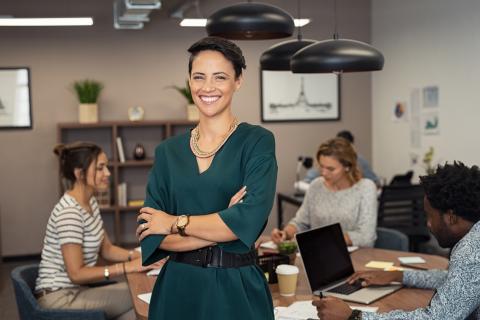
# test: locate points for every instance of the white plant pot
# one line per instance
(192, 113)
(88, 113)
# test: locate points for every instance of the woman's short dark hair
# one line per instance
(454, 187)
(229, 50)
(76, 155)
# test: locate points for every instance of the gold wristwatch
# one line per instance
(182, 223)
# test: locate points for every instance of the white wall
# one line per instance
(427, 42)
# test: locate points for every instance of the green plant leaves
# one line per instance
(88, 90)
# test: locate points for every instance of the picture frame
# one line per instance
(291, 97)
(15, 98)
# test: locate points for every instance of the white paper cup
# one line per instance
(287, 279)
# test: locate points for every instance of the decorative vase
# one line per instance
(139, 152)
(88, 113)
(192, 113)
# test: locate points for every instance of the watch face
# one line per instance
(182, 221)
(135, 113)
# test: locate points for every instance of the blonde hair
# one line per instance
(342, 150)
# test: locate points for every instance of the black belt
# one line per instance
(214, 257)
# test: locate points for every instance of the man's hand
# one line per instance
(330, 308)
(369, 278)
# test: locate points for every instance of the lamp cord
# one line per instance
(299, 21)
(335, 32)
(197, 8)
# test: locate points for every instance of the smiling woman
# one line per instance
(209, 195)
(75, 238)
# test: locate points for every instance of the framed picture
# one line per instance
(287, 96)
(15, 99)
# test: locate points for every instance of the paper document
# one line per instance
(303, 310)
(145, 297)
(268, 245)
(300, 310)
(352, 248)
(411, 260)
(154, 272)
(379, 264)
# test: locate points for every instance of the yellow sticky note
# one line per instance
(379, 264)
(394, 268)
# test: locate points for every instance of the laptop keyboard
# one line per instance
(346, 288)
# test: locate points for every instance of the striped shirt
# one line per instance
(68, 223)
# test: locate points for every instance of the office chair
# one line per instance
(401, 208)
(391, 239)
(402, 179)
(23, 278)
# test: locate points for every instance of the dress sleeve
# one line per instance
(247, 219)
(364, 234)
(155, 198)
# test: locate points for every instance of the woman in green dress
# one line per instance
(209, 195)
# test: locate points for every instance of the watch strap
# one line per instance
(356, 315)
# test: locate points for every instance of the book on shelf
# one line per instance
(135, 203)
(103, 197)
(122, 194)
(121, 153)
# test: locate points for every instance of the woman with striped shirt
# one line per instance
(75, 237)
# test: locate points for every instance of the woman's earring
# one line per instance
(347, 169)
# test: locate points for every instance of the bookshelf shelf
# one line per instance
(136, 163)
(133, 172)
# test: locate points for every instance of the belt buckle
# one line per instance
(207, 258)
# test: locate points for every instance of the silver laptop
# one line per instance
(328, 265)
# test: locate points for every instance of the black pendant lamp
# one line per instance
(337, 55)
(277, 57)
(250, 21)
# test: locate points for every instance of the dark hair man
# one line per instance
(452, 206)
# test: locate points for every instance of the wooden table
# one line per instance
(405, 298)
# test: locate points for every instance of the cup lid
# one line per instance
(286, 269)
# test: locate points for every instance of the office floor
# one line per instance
(8, 309)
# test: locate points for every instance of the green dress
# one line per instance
(183, 291)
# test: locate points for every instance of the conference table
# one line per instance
(405, 298)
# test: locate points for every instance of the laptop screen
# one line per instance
(325, 255)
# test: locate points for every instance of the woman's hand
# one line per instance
(136, 265)
(369, 278)
(278, 235)
(237, 197)
(154, 222)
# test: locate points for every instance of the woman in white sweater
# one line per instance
(339, 195)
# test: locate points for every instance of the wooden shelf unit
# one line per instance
(149, 134)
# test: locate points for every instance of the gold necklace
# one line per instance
(195, 136)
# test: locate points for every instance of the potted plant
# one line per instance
(428, 161)
(192, 110)
(87, 92)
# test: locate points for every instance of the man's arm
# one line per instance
(456, 298)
